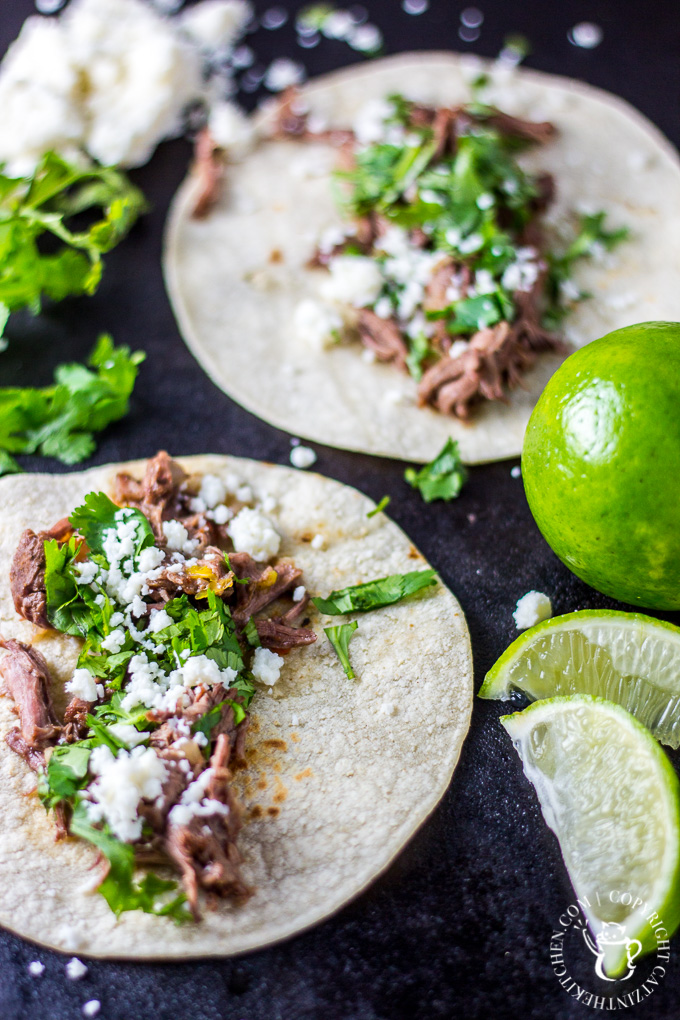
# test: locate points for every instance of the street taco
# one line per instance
(215, 776)
(465, 306)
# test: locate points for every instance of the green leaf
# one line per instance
(119, 889)
(97, 515)
(66, 609)
(473, 314)
(8, 465)
(65, 774)
(442, 478)
(419, 350)
(59, 420)
(250, 631)
(340, 638)
(384, 591)
(384, 502)
(46, 203)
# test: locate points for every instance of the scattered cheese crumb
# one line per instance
(36, 968)
(282, 73)
(388, 708)
(266, 666)
(531, 609)
(302, 456)
(318, 542)
(516, 472)
(353, 280)
(253, 533)
(83, 685)
(213, 491)
(316, 324)
(92, 1008)
(75, 969)
(299, 593)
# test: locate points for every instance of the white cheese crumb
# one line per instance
(213, 491)
(531, 609)
(516, 471)
(299, 593)
(122, 782)
(231, 130)
(282, 73)
(368, 355)
(266, 666)
(199, 669)
(83, 685)
(458, 347)
(220, 515)
(316, 324)
(150, 559)
(87, 571)
(388, 708)
(91, 1008)
(318, 542)
(194, 803)
(244, 494)
(128, 734)
(114, 641)
(75, 969)
(177, 538)
(302, 456)
(36, 968)
(253, 533)
(354, 280)
(159, 620)
(269, 504)
(215, 24)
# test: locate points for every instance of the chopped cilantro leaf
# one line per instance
(381, 506)
(44, 204)
(252, 637)
(384, 591)
(97, 516)
(442, 478)
(60, 420)
(65, 773)
(119, 889)
(340, 638)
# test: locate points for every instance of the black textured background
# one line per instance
(460, 924)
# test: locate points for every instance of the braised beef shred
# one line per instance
(497, 357)
(204, 851)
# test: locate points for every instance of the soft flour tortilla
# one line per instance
(235, 302)
(341, 772)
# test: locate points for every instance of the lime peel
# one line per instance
(628, 658)
(612, 798)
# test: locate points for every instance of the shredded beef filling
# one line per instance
(204, 850)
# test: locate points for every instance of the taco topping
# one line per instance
(182, 608)
(445, 267)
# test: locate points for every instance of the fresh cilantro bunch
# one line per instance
(45, 252)
(60, 420)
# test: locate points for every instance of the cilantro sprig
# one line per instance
(61, 420)
(340, 637)
(50, 206)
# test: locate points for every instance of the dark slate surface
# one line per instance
(460, 925)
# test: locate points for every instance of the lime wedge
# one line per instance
(628, 658)
(612, 798)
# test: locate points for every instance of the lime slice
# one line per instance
(628, 658)
(612, 798)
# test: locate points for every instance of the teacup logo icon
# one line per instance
(612, 934)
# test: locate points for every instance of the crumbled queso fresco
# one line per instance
(111, 77)
(531, 609)
(136, 772)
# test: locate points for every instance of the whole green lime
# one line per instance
(601, 464)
